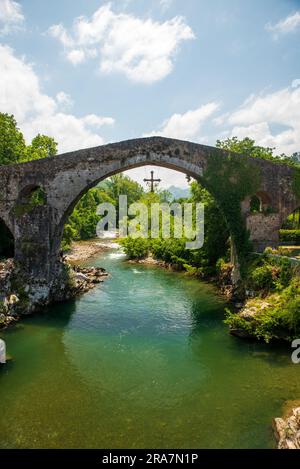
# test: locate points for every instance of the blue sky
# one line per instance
(92, 72)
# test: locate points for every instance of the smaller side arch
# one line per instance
(265, 201)
(260, 202)
(32, 194)
(30, 197)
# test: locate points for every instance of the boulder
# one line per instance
(287, 431)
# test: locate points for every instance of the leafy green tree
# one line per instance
(83, 221)
(12, 143)
(41, 147)
(149, 198)
(246, 147)
(216, 232)
(136, 248)
(200, 261)
(119, 184)
(165, 195)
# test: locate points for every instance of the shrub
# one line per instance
(135, 248)
(290, 236)
(169, 250)
(193, 271)
(269, 273)
(262, 278)
(285, 272)
(276, 317)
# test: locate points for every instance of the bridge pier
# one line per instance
(37, 260)
(32, 243)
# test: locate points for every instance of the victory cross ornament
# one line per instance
(151, 181)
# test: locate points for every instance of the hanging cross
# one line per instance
(152, 181)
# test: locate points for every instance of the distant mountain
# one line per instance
(178, 192)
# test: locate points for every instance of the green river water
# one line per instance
(141, 361)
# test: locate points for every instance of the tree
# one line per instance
(165, 195)
(12, 143)
(83, 221)
(216, 231)
(119, 184)
(199, 261)
(41, 147)
(246, 147)
(13, 148)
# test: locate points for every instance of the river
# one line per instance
(142, 361)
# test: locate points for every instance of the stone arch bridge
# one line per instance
(65, 178)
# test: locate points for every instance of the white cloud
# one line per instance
(259, 114)
(287, 25)
(296, 83)
(222, 119)
(36, 112)
(282, 107)
(69, 131)
(59, 32)
(260, 132)
(20, 92)
(141, 49)
(11, 16)
(187, 125)
(64, 99)
(97, 121)
(182, 126)
(76, 56)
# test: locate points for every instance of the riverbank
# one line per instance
(151, 261)
(19, 298)
(270, 314)
(83, 250)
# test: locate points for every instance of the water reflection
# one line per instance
(142, 360)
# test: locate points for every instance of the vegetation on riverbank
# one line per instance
(17, 298)
(290, 236)
(272, 307)
(201, 262)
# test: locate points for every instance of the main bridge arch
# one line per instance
(63, 179)
(77, 182)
